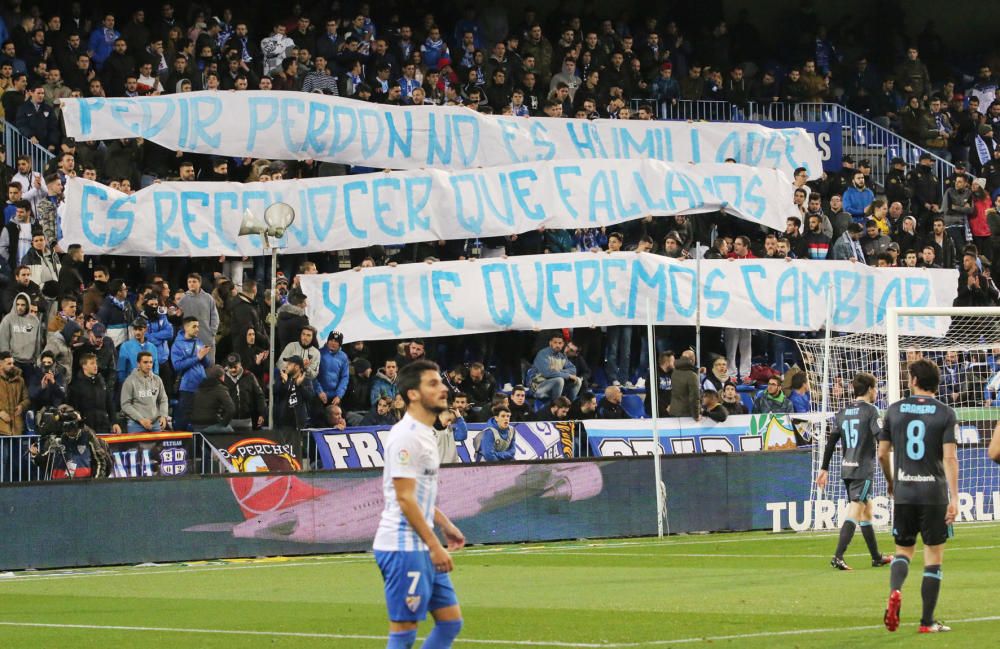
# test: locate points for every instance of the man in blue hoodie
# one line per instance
(333, 370)
(128, 352)
(189, 358)
(495, 443)
(552, 374)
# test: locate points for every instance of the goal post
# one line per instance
(965, 342)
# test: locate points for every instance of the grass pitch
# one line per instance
(726, 590)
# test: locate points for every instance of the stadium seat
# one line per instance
(632, 404)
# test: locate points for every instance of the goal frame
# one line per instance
(892, 316)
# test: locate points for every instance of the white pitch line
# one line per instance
(475, 641)
(778, 634)
(553, 549)
(291, 634)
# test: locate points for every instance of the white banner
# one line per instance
(597, 289)
(338, 212)
(301, 126)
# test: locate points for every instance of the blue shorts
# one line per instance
(413, 586)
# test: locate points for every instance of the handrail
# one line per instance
(17, 145)
(861, 136)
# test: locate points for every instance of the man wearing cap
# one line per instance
(128, 352)
(246, 393)
(333, 370)
(295, 396)
(985, 148)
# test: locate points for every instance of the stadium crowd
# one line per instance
(185, 343)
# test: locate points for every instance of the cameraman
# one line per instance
(90, 396)
(71, 449)
(46, 384)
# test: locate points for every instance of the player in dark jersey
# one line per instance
(857, 428)
(921, 429)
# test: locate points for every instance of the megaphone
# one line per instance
(251, 224)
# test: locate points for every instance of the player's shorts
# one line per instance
(858, 491)
(413, 586)
(928, 520)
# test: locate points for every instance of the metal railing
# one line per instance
(861, 137)
(17, 145)
(16, 464)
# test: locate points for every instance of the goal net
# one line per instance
(965, 343)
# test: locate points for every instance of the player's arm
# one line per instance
(885, 461)
(995, 445)
(406, 496)
(453, 535)
(831, 445)
(951, 475)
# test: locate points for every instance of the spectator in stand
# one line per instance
(384, 383)
(116, 311)
(731, 400)
(712, 408)
(584, 408)
(497, 441)
(380, 414)
(799, 395)
(14, 400)
(189, 358)
(685, 394)
(128, 352)
(102, 41)
(957, 209)
(144, 399)
(772, 399)
(558, 410)
(89, 395)
(858, 197)
(552, 374)
(199, 304)
(247, 395)
(450, 429)
(333, 370)
(305, 348)
(942, 242)
(46, 383)
(37, 120)
(295, 397)
(519, 408)
(610, 406)
(21, 333)
(480, 386)
(848, 246)
(873, 243)
(212, 409)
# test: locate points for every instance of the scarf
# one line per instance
(982, 150)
